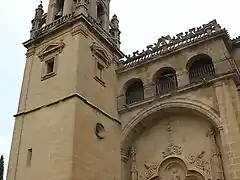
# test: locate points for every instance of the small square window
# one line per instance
(48, 68)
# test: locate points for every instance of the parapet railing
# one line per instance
(54, 24)
(177, 82)
(66, 18)
(168, 44)
(103, 32)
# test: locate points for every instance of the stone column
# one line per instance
(216, 161)
(67, 9)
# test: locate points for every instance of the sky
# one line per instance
(142, 22)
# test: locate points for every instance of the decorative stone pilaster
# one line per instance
(134, 172)
(216, 160)
(182, 78)
(82, 7)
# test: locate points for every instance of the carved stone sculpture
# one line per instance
(198, 161)
(172, 149)
(175, 175)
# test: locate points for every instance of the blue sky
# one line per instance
(142, 23)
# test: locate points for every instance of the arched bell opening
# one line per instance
(165, 80)
(200, 68)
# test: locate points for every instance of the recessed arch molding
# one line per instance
(195, 106)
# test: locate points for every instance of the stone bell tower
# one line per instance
(67, 123)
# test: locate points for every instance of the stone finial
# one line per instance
(38, 21)
(115, 32)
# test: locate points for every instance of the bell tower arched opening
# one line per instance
(200, 67)
(59, 9)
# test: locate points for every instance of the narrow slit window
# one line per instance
(100, 70)
(29, 157)
(50, 66)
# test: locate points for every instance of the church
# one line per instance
(87, 111)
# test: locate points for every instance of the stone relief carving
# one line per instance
(175, 175)
(151, 169)
(198, 161)
(172, 149)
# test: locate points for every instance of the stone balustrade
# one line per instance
(168, 44)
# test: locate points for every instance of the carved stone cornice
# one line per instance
(30, 52)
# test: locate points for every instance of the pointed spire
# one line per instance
(37, 22)
(115, 32)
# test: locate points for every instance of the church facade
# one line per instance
(87, 111)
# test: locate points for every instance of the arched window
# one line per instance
(165, 80)
(200, 68)
(135, 91)
(59, 6)
(100, 14)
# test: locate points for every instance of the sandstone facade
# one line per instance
(87, 111)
